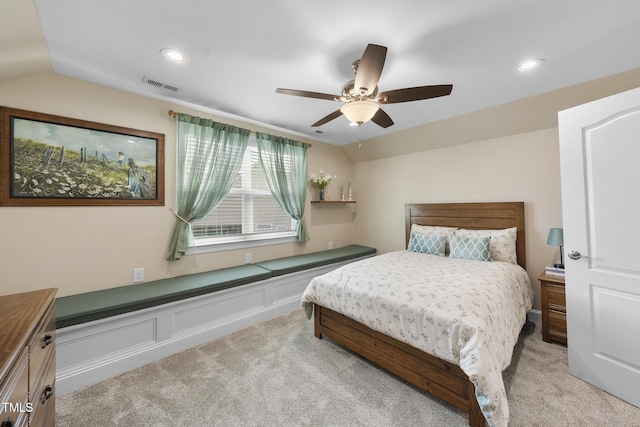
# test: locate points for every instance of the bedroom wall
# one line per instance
(524, 167)
(81, 249)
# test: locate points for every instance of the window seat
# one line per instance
(90, 306)
(292, 264)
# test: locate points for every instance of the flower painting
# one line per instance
(50, 160)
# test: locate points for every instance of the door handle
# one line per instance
(575, 255)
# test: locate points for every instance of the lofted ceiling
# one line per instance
(239, 51)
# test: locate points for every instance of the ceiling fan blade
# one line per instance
(414, 94)
(370, 68)
(327, 118)
(382, 119)
(307, 94)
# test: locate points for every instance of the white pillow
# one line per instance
(503, 242)
(434, 230)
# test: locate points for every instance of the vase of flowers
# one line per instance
(321, 181)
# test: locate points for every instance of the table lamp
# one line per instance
(556, 238)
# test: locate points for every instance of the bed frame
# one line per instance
(438, 377)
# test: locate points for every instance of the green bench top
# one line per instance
(288, 265)
(81, 308)
(86, 307)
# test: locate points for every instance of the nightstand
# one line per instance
(554, 308)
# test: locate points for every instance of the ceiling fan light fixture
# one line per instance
(359, 112)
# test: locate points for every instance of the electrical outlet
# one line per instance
(330, 245)
(138, 275)
(247, 258)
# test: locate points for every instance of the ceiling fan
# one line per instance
(361, 97)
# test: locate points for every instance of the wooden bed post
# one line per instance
(316, 321)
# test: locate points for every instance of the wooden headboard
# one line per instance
(492, 215)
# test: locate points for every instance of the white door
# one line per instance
(600, 172)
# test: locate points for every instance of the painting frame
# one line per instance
(43, 162)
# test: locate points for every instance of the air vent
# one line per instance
(156, 83)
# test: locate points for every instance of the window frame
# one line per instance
(240, 241)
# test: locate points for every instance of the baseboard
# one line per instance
(101, 349)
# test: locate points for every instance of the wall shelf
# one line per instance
(334, 202)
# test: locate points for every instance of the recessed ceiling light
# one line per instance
(530, 65)
(173, 55)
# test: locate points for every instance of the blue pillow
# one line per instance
(427, 244)
(476, 249)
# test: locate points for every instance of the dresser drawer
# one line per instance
(43, 396)
(557, 321)
(558, 326)
(14, 393)
(27, 358)
(42, 347)
(556, 298)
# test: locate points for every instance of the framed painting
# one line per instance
(48, 160)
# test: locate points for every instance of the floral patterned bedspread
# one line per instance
(466, 312)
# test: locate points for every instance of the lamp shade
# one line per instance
(360, 111)
(556, 237)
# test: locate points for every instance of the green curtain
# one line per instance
(209, 159)
(285, 165)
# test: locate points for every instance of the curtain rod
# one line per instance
(174, 114)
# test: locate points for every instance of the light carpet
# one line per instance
(278, 374)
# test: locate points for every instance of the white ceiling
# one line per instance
(240, 51)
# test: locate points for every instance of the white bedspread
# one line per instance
(466, 312)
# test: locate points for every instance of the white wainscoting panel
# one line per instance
(97, 350)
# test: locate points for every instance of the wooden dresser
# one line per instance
(27, 359)
(554, 308)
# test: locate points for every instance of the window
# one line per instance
(248, 215)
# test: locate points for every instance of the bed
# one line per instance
(465, 376)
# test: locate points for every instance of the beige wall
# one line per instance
(81, 249)
(523, 167)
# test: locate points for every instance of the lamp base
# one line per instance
(558, 265)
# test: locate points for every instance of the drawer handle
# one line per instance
(47, 393)
(48, 339)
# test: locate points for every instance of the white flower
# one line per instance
(321, 181)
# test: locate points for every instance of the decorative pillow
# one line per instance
(503, 242)
(435, 230)
(470, 248)
(427, 244)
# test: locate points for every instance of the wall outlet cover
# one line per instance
(138, 275)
